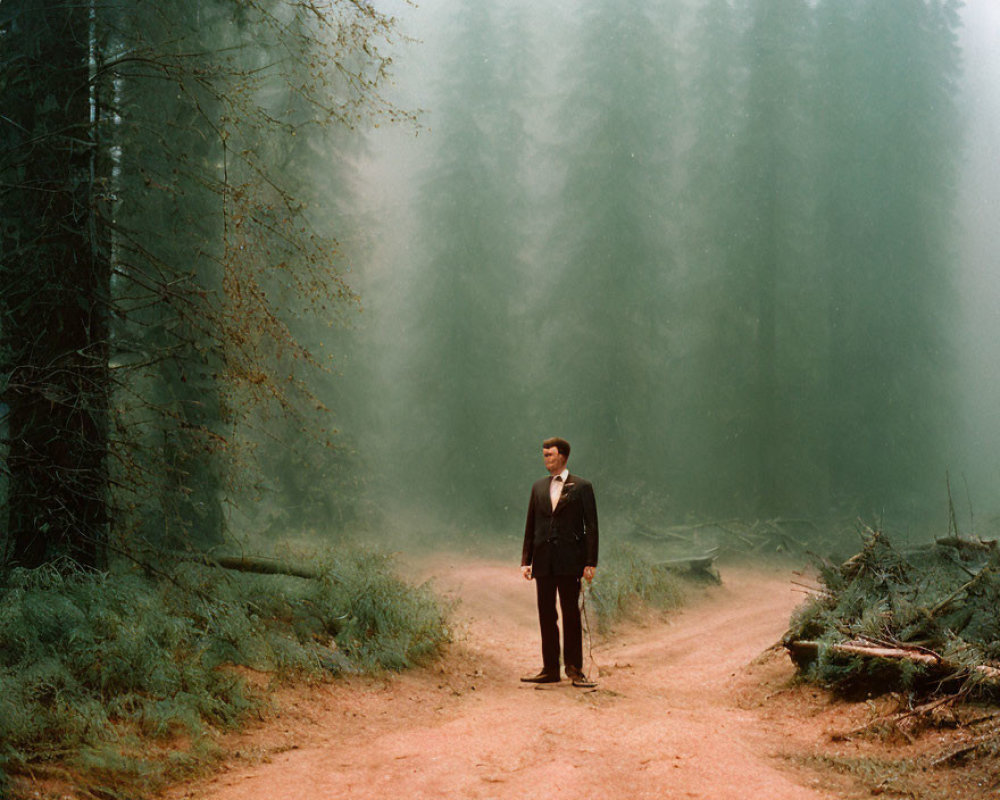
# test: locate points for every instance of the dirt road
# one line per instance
(675, 714)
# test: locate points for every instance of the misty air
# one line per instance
(487, 399)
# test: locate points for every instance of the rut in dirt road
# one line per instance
(666, 721)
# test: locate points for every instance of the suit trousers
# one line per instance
(568, 589)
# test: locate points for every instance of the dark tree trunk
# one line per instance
(55, 278)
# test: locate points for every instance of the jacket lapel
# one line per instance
(567, 487)
(545, 500)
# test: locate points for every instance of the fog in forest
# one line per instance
(979, 243)
(740, 254)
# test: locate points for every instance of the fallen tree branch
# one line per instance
(267, 566)
(975, 545)
(804, 651)
(258, 565)
(958, 592)
(649, 533)
(703, 563)
(692, 562)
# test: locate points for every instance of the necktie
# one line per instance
(555, 489)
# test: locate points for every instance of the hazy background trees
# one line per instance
(605, 300)
(711, 242)
(459, 392)
(740, 286)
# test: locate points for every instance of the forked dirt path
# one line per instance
(674, 716)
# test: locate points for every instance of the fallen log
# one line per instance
(703, 563)
(266, 566)
(256, 564)
(984, 546)
(804, 652)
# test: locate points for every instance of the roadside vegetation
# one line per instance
(629, 580)
(912, 632)
(119, 682)
(921, 617)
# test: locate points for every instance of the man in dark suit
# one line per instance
(560, 548)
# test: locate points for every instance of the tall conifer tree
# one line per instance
(162, 123)
(607, 307)
(461, 389)
(768, 236)
(55, 270)
(710, 379)
(888, 176)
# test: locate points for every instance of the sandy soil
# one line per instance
(681, 711)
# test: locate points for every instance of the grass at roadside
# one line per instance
(123, 680)
(916, 776)
(628, 580)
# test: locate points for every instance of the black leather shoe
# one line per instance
(576, 675)
(541, 677)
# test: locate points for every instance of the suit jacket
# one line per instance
(561, 541)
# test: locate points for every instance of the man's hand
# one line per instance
(526, 572)
(588, 573)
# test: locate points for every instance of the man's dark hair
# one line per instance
(561, 444)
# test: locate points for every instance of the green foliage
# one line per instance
(163, 359)
(628, 580)
(941, 596)
(261, 113)
(387, 623)
(876, 772)
(95, 667)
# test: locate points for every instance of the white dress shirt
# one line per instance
(556, 487)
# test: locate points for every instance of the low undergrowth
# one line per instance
(123, 679)
(628, 580)
(919, 775)
(918, 628)
(939, 598)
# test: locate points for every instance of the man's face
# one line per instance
(555, 462)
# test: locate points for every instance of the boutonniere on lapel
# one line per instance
(567, 488)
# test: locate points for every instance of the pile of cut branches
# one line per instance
(887, 618)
